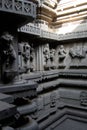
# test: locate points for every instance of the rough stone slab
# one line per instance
(6, 98)
(6, 110)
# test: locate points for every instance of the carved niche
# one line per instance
(7, 57)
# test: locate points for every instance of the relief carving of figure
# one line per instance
(7, 55)
(77, 52)
(46, 53)
(52, 58)
(24, 54)
(52, 54)
(62, 52)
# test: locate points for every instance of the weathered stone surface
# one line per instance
(6, 98)
(27, 109)
(31, 125)
(6, 110)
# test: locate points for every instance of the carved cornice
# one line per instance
(31, 29)
(72, 35)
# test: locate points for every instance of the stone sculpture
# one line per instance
(7, 57)
(24, 56)
(52, 54)
(47, 56)
(77, 52)
(46, 53)
(61, 53)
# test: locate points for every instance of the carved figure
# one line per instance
(7, 55)
(24, 57)
(32, 67)
(77, 52)
(26, 52)
(52, 54)
(61, 53)
(46, 53)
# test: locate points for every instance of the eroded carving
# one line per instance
(53, 99)
(77, 52)
(7, 56)
(26, 57)
(61, 53)
(49, 56)
(83, 98)
(46, 53)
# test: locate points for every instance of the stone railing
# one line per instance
(23, 7)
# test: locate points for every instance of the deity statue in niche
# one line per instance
(7, 57)
(46, 53)
(61, 53)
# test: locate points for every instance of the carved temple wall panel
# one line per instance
(63, 56)
(46, 56)
(26, 56)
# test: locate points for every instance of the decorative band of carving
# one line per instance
(17, 6)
